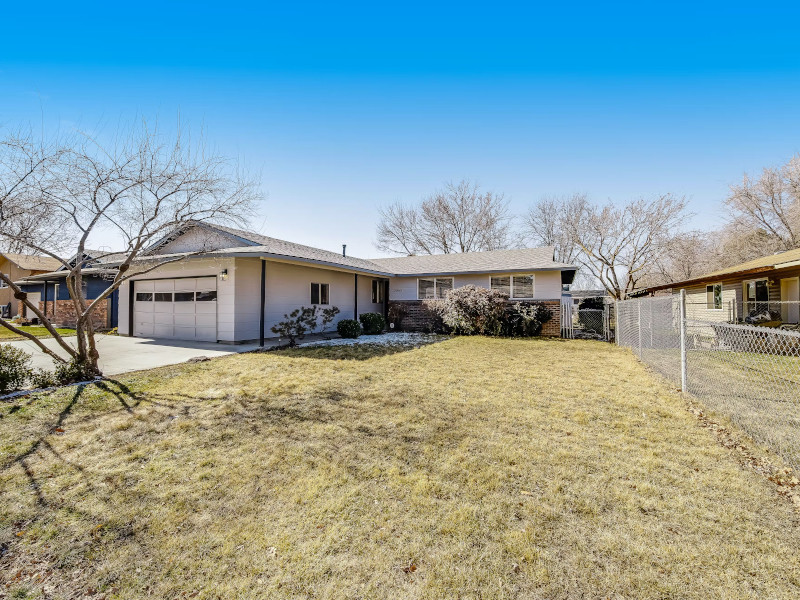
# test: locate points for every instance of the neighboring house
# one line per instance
(50, 291)
(232, 286)
(18, 266)
(770, 284)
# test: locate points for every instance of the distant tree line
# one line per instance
(621, 247)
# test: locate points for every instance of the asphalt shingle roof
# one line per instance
(32, 263)
(772, 260)
(762, 264)
(274, 246)
(525, 259)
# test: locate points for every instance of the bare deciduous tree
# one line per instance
(544, 223)
(458, 218)
(617, 245)
(685, 256)
(57, 195)
(770, 203)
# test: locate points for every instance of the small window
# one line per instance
(502, 285)
(3, 284)
(320, 293)
(522, 286)
(184, 296)
(163, 296)
(144, 297)
(429, 288)
(209, 296)
(714, 296)
(377, 291)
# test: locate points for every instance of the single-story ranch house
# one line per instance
(769, 285)
(232, 286)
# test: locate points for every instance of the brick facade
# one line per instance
(64, 315)
(419, 318)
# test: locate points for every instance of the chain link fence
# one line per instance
(749, 373)
(579, 322)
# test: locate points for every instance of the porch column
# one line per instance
(355, 296)
(263, 303)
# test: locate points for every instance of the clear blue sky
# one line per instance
(343, 108)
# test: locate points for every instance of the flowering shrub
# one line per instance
(473, 310)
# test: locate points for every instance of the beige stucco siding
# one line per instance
(289, 287)
(546, 285)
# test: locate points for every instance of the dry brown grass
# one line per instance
(473, 468)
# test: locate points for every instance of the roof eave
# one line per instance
(485, 271)
(706, 278)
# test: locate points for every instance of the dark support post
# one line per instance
(263, 303)
(355, 297)
(131, 283)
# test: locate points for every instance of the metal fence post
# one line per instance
(616, 322)
(639, 327)
(683, 341)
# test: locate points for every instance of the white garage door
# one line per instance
(180, 309)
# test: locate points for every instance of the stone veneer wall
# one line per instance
(65, 315)
(418, 318)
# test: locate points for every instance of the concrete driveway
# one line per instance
(123, 354)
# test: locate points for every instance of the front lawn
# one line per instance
(40, 332)
(471, 468)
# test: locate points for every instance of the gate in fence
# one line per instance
(750, 374)
(587, 323)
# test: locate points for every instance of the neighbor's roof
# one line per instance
(526, 259)
(32, 263)
(764, 264)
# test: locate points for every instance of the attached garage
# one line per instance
(180, 309)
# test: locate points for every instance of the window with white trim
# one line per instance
(320, 293)
(518, 287)
(522, 287)
(502, 284)
(433, 288)
(714, 296)
(3, 284)
(378, 291)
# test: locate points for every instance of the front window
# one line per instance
(377, 291)
(3, 284)
(430, 288)
(714, 296)
(502, 285)
(320, 293)
(522, 287)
